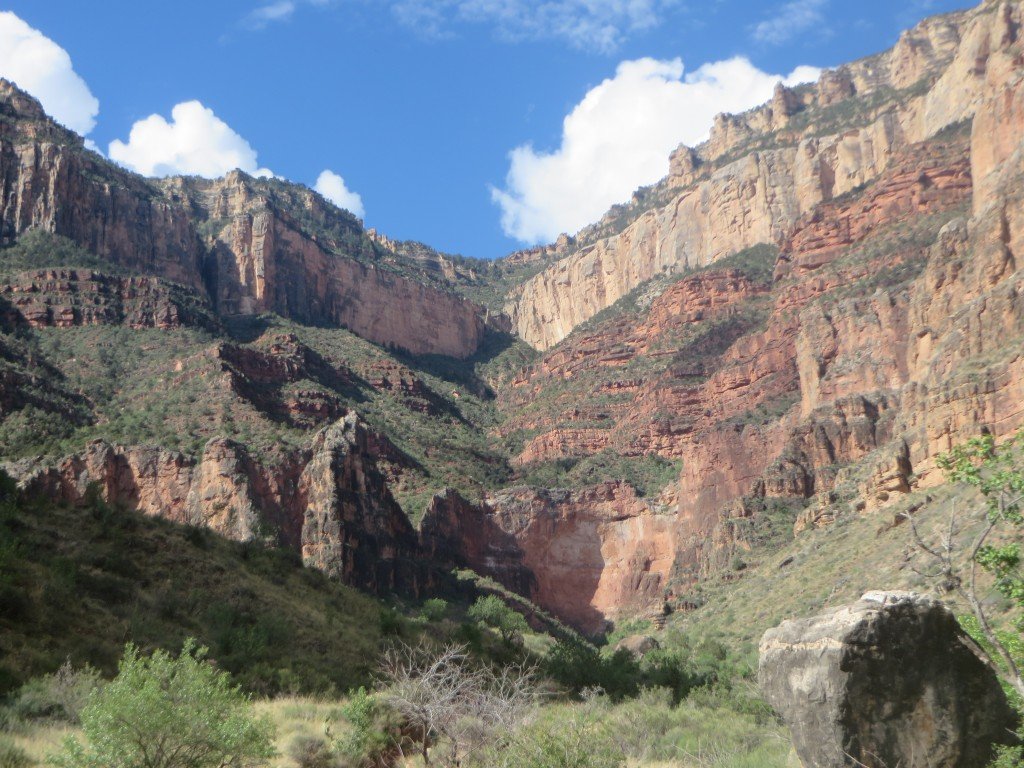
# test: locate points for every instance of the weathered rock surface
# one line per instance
(250, 245)
(762, 170)
(584, 555)
(891, 680)
(330, 502)
(66, 297)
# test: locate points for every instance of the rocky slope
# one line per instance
(330, 501)
(890, 329)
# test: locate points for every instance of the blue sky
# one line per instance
(417, 104)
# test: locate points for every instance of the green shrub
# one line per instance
(562, 737)
(492, 611)
(167, 712)
(435, 609)
(59, 697)
(309, 751)
(374, 731)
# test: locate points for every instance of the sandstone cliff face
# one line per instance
(742, 188)
(63, 298)
(330, 502)
(584, 555)
(259, 257)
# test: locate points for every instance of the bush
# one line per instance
(580, 667)
(375, 731)
(435, 609)
(573, 737)
(310, 751)
(492, 611)
(59, 697)
(167, 712)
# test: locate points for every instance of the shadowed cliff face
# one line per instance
(585, 555)
(251, 245)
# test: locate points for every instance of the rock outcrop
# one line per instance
(330, 502)
(891, 680)
(67, 297)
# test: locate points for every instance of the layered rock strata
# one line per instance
(251, 245)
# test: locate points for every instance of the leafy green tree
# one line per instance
(492, 611)
(163, 711)
(996, 472)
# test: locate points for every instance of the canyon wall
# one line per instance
(586, 555)
(761, 171)
(252, 245)
(890, 330)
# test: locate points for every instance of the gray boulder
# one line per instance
(890, 681)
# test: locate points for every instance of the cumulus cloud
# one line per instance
(791, 19)
(194, 142)
(38, 65)
(619, 138)
(590, 24)
(332, 186)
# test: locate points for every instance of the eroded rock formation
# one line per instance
(584, 555)
(329, 502)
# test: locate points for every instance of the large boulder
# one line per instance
(891, 680)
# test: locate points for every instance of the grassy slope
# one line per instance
(79, 583)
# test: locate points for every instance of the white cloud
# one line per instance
(38, 65)
(589, 24)
(619, 138)
(792, 19)
(195, 142)
(332, 186)
(260, 17)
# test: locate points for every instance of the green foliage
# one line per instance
(163, 711)
(996, 471)
(37, 248)
(78, 582)
(58, 698)
(647, 730)
(647, 474)
(494, 612)
(374, 730)
(679, 668)
(576, 737)
(435, 609)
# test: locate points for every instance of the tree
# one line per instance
(443, 697)
(167, 712)
(492, 611)
(996, 471)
